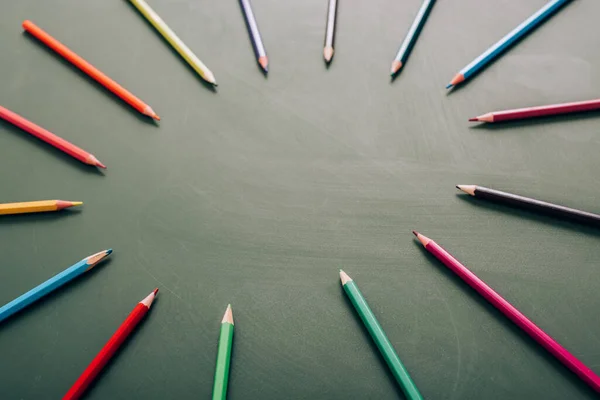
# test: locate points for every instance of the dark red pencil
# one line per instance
(541, 111)
(109, 349)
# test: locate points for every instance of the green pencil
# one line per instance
(379, 337)
(223, 356)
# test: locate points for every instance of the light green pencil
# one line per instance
(380, 338)
(223, 356)
(174, 41)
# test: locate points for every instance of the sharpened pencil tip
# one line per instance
(99, 164)
(155, 291)
(415, 233)
(156, 117)
(328, 54)
(228, 317)
(396, 65)
(469, 189)
(108, 252)
(344, 277)
(422, 238)
(76, 203)
(473, 119)
(448, 86)
(264, 63)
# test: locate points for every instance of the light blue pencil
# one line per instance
(503, 44)
(51, 284)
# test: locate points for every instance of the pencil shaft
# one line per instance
(568, 359)
(47, 136)
(414, 31)
(223, 362)
(381, 340)
(544, 111)
(512, 37)
(51, 284)
(86, 67)
(157, 22)
(28, 207)
(257, 44)
(537, 205)
(330, 27)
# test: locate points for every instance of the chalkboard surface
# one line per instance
(257, 193)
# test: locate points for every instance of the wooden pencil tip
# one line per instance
(264, 63)
(470, 189)
(422, 238)
(473, 119)
(99, 164)
(458, 78)
(228, 317)
(328, 54)
(344, 277)
(62, 204)
(396, 65)
(148, 300)
(76, 203)
(94, 259)
(156, 117)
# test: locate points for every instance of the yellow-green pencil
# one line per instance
(174, 41)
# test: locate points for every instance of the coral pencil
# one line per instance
(507, 41)
(157, 22)
(536, 333)
(540, 111)
(36, 206)
(52, 284)
(89, 69)
(109, 349)
(50, 138)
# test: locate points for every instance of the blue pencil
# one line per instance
(503, 44)
(411, 36)
(51, 284)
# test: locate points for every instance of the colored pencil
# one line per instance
(36, 206)
(412, 36)
(177, 44)
(507, 41)
(89, 69)
(257, 44)
(531, 204)
(540, 111)
(52, 284)
(223, 356)
(536, 333)
(110, 348)
(380, 338)
(330, 31)
(50, 138)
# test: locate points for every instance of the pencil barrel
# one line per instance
(223, 362)
(545, 111)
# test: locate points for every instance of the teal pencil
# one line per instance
(380, 338)
(51, 284)
(223, 356)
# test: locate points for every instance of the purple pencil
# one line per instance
(536, 333)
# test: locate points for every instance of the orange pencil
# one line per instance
(36, 206)
(89, 69)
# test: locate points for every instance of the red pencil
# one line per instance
(541, 111)
(109, 349)
(50, 138)
(511, 312)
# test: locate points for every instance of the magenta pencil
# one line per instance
(540, 111)
(536, 333)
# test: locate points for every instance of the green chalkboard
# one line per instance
(255, 194)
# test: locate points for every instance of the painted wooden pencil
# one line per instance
(52, 284)
(555, 210)
(539, 111)
(536, 333)
(36, 206)
(157, 22)
(50, 138)
(255, 38)
(380, 338)
(330, 31)
(507, 41)
(223, 356)
(110, 348)
(412, 36)
(89, 69)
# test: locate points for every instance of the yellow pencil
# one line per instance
(174, 41)
(36, 206)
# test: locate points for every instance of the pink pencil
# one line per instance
(540, 111)
(568, 359)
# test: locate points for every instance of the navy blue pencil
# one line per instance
(257, 44)
(412, 36)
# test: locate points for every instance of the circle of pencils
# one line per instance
(52, 284)
(257, 44)
(539, 111)
(328, 47)
(223, 356)
(380, 338)
(537, 334)
(507, 41)
(89, 69)
(36, 206)
(50, 138)
(157, 22)
(412, 36)
(109, 349)
(531, 204)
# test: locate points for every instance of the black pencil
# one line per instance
(531, 204)
(257, 44)
(330, 31)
